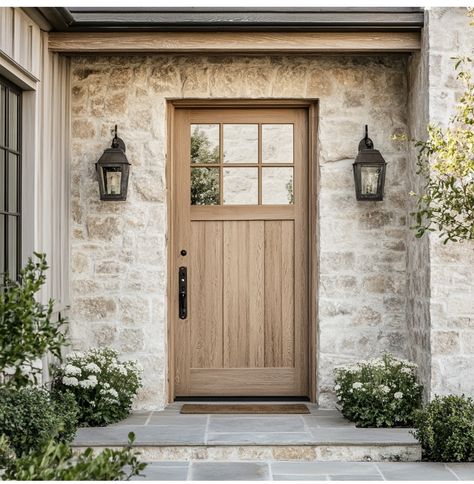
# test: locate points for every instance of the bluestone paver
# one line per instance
(415, 471)
(289, 423)
(329, 421)
(359, 436)
(324, 468)
(230, 471)
(164, 471)
(463, 470)
(259, 438)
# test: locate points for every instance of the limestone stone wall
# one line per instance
(418, 257)
(119, 249)
(452, 281)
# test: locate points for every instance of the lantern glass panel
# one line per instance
(112, 180)
(370, 179)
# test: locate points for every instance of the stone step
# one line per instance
(306, 453)
(253, 438)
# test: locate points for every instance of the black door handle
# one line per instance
(182, 291)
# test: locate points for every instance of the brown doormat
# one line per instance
(291, 408)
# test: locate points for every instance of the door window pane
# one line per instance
(241, 186)
(205, 186)
(240, 143)
(13, 121)
(204, 143)
(277, 143)
(13, 183)
(277, 186)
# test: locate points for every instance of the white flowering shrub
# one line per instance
(103, 386)
(382, 392)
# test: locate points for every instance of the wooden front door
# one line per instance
(240, 263)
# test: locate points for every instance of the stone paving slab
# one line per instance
(259, 438)
(306, 471)
(288, 423)
(230, 471)
(463, 470)
(145, 435)
(327, 421)
(416, 471)
(359, 436)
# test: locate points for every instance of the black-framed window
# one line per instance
(10, 178)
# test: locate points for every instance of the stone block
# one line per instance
(131, 340)
(103, 228)
(94, 308)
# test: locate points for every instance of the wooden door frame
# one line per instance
(311, 105)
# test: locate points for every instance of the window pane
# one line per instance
(277, 143)
(241, 186)
(13, 183)
(240, 143)
(2, 179)
(277, 186)
(2, 115)
(204, 186)
(204, 143)
(12, 246)
(13, 121)
(2, 245)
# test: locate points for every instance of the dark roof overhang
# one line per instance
(102, 19)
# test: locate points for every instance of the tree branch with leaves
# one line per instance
(446, 161)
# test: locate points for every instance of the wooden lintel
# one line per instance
(234, 42)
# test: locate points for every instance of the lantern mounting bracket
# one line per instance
(118, 142)
(366, 143)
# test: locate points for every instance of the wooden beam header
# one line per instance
(233, 42)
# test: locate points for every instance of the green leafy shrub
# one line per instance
(7, 455)
(27, 329)
(30, 417)
(57, 462)
(104, 387)
(445, 429)
(382, 392)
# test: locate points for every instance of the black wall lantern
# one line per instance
(369, 171)
(113, 169)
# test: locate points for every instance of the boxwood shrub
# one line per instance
(445, 429)
(30, 417)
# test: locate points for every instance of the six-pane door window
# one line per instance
(10, 178)
(242, 164)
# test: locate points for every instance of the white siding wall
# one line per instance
(45, 145)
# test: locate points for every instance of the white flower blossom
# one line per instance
(406, 370)
(92, 367)
(122, 370)
(113, 392)
(70, 381)
(72, 370)
(398, 395)
(87, 384)
(93, 379)
(75, 354)
(385, 389)
(337, 387)
(357, 385)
